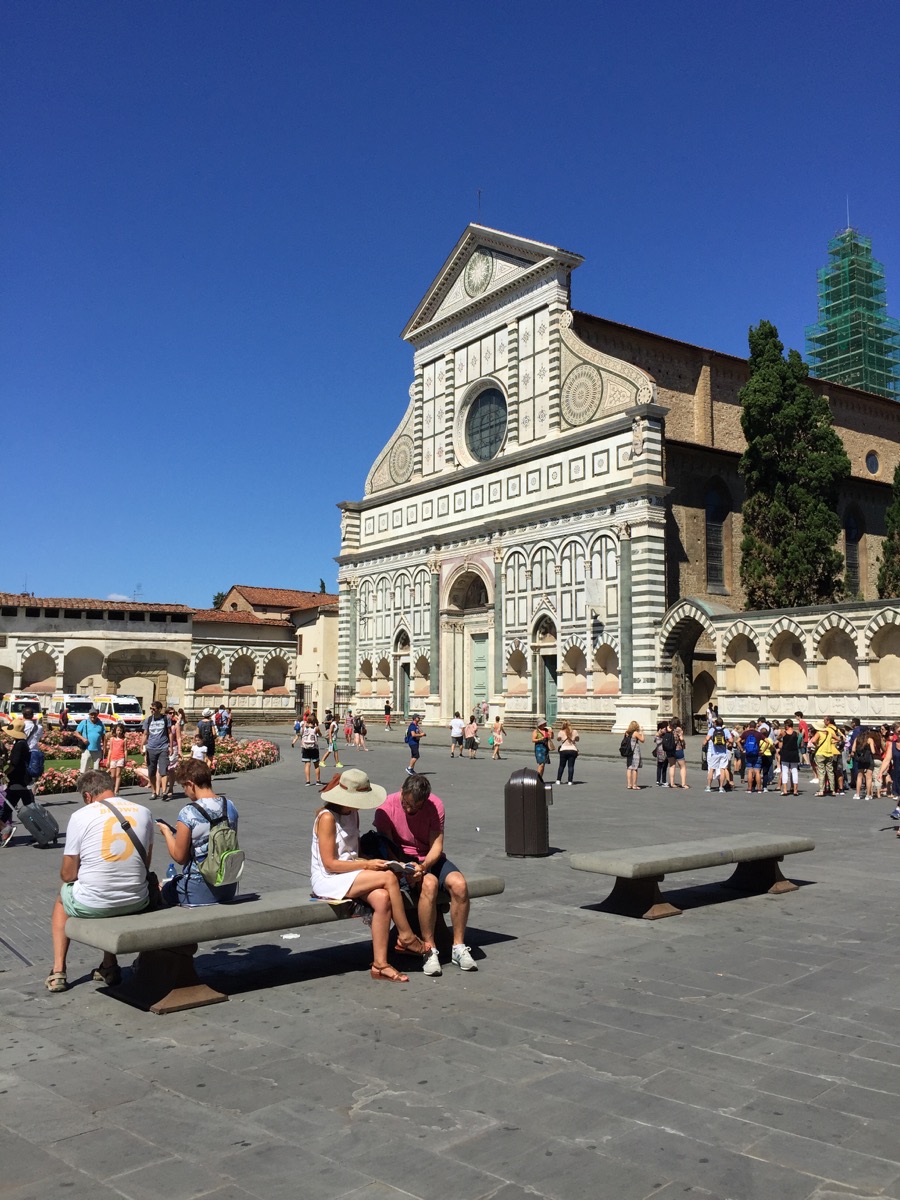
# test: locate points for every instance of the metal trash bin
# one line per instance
(527, 823)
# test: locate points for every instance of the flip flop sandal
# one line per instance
(56, 982)
(388, 974)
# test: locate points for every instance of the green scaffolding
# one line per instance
(854, 342)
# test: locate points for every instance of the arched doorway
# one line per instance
(468, 617)
(688, 650)
(544, 653)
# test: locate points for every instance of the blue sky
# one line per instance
(218, 216)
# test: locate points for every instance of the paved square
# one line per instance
(746, 1049)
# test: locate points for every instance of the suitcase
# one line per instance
(40, 824)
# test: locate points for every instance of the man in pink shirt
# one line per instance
(414, 820)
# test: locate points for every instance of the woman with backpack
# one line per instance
(189, 841)
(632, 742)
(309, 748)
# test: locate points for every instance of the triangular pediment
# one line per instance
(484, 264)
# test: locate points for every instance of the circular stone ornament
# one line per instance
(581, 394)
(401, 459)
(478, 273)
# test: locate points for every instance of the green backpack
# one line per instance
(224, 862)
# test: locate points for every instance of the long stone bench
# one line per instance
(164, 978)
(639, 871)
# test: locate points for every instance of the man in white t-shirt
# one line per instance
(718, 743)
(103, 873)
(457, 725)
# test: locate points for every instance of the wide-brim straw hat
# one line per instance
(353, 789)
(17, 729)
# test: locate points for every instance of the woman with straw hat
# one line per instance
(18, 779)
(337, 873)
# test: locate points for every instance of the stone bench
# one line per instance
(164, 978)
(639, 871)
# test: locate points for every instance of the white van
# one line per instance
(120, 709)
(13, 703)
(77, 705)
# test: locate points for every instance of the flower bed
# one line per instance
(231, 756)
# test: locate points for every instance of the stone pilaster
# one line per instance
(498, 620)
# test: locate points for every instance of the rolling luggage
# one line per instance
(40, 824)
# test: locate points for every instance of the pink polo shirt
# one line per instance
(413, 833)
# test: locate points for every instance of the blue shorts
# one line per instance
(414, 749)
(442, 869)
(751, 761)
(541, 753)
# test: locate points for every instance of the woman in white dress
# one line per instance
(337, 873)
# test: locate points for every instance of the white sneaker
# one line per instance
(432, 963)
(463, 959)
(6, 832)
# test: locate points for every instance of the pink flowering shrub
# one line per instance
(231, 756)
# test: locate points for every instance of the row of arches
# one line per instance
(573, 678)
(836, 661)
(242, 671)
(86, 669)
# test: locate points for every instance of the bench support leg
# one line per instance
(764, 875)
(639, 898)
(165, 981)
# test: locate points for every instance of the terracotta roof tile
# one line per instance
(239, 618)
(285, 598)
(21, 600)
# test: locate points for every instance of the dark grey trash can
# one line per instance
(527, 824)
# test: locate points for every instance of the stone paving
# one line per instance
(749, 1048)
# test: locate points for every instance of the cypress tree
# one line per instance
(889, 570)
(793, 468)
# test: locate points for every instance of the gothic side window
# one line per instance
(852, 538)
(717, 505)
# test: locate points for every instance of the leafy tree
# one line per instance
(793, 468)
(889, 571)
(218, 599)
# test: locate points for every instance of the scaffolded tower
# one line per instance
(855, 342)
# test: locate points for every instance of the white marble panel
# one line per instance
(541, 416)
(439, 378)
(541, 329)
(477, 500)
(427, 510)
(370, 525)
(473, 357)
(396, 518)
(441, 414)
(427, 456)
(526, 335)
(462, 367)
(526, 379)
(542, 372)
(429, 380)
(427, 418)
(488, 355)
(526, 421)
(502, 349)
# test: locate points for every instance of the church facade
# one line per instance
(554, 526)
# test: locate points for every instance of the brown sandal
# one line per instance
(388, 974)
(416, 946)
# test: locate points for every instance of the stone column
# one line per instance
(353, 589)
(434, 566)
(498, 620)
(626, 615)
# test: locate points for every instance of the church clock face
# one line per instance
(479, 270)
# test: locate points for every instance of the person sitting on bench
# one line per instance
(102, 871)
(188, 843)
(337, 872)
